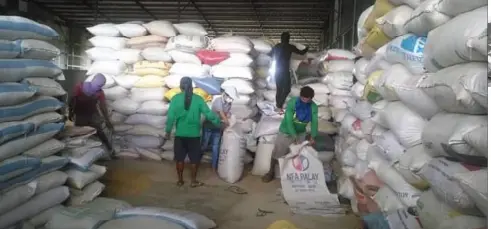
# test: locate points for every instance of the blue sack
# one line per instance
(37, 105)
(15, 27)
(11, 130)
(17, 166)
(15, 93)
(211, 85)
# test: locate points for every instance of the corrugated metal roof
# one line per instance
(253, 18)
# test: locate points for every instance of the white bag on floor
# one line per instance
(115, 43)
(436, 214)
(145, 119)
(441, 52)
(125, 106)
(190, 29)
(232, 152)
(115, 93)
(439, 172)
(100, 53)
(425, 18)
(129, 56)
(153, 108)
(474, 183)
(145, 141)
(184, 57)
(224, 72)
(87, 194)
(392, 23)
(408, 51)
(107, 67)
(131, 30)
(189, 70)
(79, 179)
(104, 29)
(35, 205)
(156, 54)
(242, 86)
(161, 28)
(303, 183)
(126, 81)
(262, 162)
(454, 88)
(147, 94)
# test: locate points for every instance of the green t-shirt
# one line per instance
(188, 122)
(291, 126)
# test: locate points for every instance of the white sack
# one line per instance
(131, 30)
(87, 159)
(434, 213)
(190, 29)
(441, 52)
(145, 141)
(153, 108)
(391, 78)
(242, 86)
(116, 43)
(100, 53)
(262, 162)
(360, 70)
(107, 67)
(415, 98)
(477, 139)
(35, 205)
(357, 91)
(387, 200)
(392, 23)
(125, 106)
(341, 102)
(224, 71)
(261, 45)
(187, 43)
(268, 125)
(456, 7)
(408, 51)
(232, 44)
(439, 172)
(390, 146)
(340, 66)
(303, 183)
(190, 70)
(425, 18)
(146, 119)
(79, 179)
(115, 93)
(474, 183)
(410, 164)
(161, 28)
(104, 29)
(156, 54)
(339, 80)
(87, 194)
(361, 31)
(454, 88)
(147, 94)
(232, 151)
(126, 81)
(129, 56)
(444, 136)
(411, 3)
(184, 57)
(237, 60)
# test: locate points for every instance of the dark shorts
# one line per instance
(187, 146)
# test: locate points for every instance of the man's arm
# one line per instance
(104, 111)
(297, 51)
(171, 116)
(209, 114)
(217, 106)
(289, 113)
(314, 125)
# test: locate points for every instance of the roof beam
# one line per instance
(138, 3)
(48, 10)
(202, 15)
(86, 3)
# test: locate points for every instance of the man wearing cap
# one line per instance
(213, 133)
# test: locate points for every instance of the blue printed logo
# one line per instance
(413, 44)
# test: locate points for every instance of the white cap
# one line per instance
(231, 92)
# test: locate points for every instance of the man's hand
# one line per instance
(311, 141)
(166, 136)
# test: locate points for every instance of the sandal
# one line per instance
(180, 183)
(236, 190)
(196, 184)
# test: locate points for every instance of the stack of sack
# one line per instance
(30, 184)
(83, 149)
(422, 117)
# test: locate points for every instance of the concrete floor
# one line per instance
(149, 183)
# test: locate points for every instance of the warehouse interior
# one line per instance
(317, 24)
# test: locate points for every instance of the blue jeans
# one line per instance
(212, 136)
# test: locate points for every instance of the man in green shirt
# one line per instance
(185, 111)
(300, 111)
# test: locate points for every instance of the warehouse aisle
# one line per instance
(148, 183)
